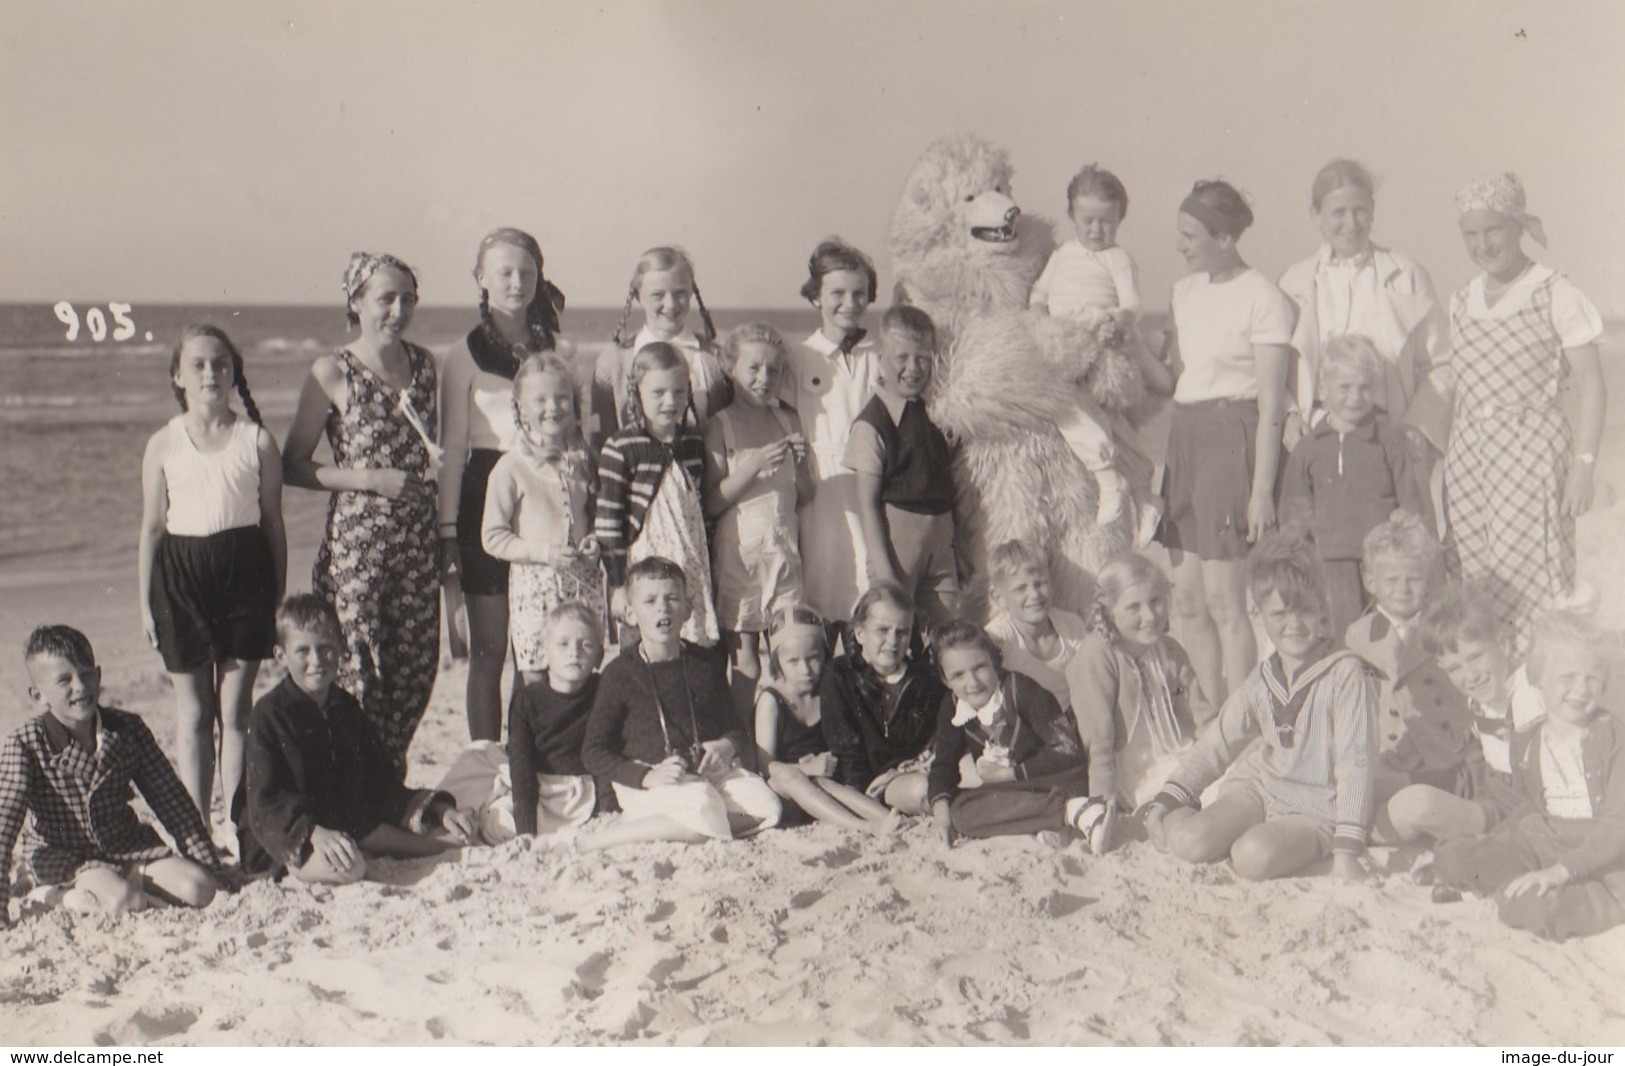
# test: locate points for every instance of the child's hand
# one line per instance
(668, 772)
(451, 557)
(944, 822)
(819, 764)
(1577, 490)
(589, 548)
(462, 824)
(1260, 515)
(994, 770)
(719, 757)
(1539, 882)
(337, 848)
(798, 446)
(556, 555)
(756, 462)
(1292, 431)
(149, 626)
(617, 606)
(1346, 866)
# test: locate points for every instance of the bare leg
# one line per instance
(487, 652)
(1225, 582)
(745, 671)
(1208, 835)
(99, 890)
(196, 708)
(906, 793)
(1277, 848)
(1422, 810)
(236, 698)
(318, 871)
(1196, 631)
(639, 831)
(393, 842)
(869, 808)
(178, 881)
(788, 781)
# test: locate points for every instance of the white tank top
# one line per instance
(211, 492)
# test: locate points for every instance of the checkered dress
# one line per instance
(80, 802)
(1509, 457)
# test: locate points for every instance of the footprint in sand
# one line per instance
(803, 900)
(591, 972)
(1061, 904)
(663, 910)
(835, 858)
(147, 1025)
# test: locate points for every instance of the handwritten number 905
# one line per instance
(96, 322)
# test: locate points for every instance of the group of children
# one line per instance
(766, 534)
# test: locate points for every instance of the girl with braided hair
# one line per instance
(212, 556)
(663, 288)
(519, 318)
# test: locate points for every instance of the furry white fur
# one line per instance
(965, 255)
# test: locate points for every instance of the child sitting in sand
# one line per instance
(319, 794)
(880, 704)
(1350, 472)
(1025, 748)
(1305, 789)
(1134, 691)
(662, 731)
(1472, 645)
(540, 785)
(790, 741)
(1557, 870)
(68, 772)
(1034, 637)
(1424, 730)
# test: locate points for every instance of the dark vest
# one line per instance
(918, 476)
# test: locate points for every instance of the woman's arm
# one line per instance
(1270, 362)
(154, 503)
(276, 533)
(1592, 393)
(323, 389)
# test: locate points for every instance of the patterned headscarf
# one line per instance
(364, 265)
(1502, 193)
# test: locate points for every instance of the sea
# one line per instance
(75, 414)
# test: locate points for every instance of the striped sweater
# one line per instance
(629, 471)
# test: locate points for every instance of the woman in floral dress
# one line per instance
(375, 399)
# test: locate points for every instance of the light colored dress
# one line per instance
(828, 388)
(756, 543)
(674, 528)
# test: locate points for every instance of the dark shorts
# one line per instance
(482, 575)
(1209, 480)
(214, 598)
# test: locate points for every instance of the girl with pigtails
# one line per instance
(663, 287)
(213, 556)
(519, 317)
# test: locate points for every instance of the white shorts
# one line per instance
(703, 806)
(479, 778)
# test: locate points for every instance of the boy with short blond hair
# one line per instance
(319, 794)
(1035, 637)
(67, 772)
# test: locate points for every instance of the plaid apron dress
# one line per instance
(1509, 459)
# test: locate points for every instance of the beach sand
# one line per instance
(804, 936)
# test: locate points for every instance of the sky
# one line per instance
(198, 151)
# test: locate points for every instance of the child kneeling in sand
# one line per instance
(1305, 789)
(71, 768)
(319, 794)
(663, 730)
(540, 785)
(1557, 870)
(1026, 749)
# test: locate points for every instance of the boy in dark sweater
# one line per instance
(663, 732)
(318, 793)
(539, 783)
(903, 466)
